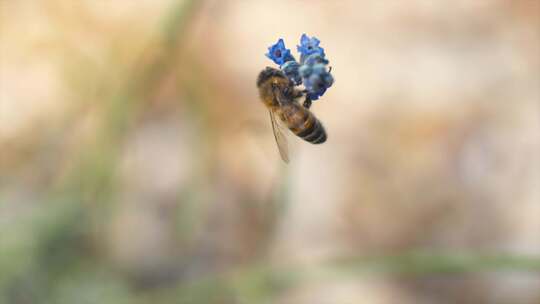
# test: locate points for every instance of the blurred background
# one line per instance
(137, 164)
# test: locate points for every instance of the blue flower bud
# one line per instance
(305, 71)
(291, 70)
(314, 59)
(316, 79)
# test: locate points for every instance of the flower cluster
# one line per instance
(312, 69)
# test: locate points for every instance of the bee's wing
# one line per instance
(281, 139)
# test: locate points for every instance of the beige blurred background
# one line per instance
(137, 164)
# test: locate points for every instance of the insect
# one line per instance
(281, 98)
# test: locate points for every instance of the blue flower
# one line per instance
(279, 54)
(291, 70)
(309, 46)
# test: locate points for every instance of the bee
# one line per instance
(280, 96)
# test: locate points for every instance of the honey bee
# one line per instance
(281, 98)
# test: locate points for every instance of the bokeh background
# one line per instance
(137, 164)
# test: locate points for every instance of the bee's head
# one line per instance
(269, 73)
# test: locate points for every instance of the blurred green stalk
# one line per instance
(93, 177)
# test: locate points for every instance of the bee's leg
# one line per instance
(298, 93)
(307, 103)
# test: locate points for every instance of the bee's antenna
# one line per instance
(329, 69)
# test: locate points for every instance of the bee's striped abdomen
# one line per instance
(313, 131)
(304, 124)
